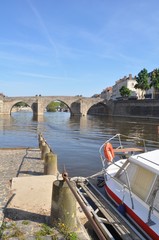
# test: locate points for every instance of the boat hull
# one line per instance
(131, 214)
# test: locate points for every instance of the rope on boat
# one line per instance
(96, 174)
(82, 179)
(100, 179)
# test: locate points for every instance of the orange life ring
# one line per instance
(108, 152)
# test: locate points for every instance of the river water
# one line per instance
(75, 140)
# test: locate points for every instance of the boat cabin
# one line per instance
(140, 175)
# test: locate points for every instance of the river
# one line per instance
(75, 140)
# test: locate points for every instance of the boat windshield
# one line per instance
(140, 179)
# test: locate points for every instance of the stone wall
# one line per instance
(140, 108)
(147, 108)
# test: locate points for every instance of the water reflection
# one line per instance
(76, 140)
(137, 127)
(39, 118)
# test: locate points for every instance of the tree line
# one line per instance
(144, 81)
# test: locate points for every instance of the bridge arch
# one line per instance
(18, 107)
(9, 105)
(99, 108)
(87, 104)
(71, 102)
(57, 100)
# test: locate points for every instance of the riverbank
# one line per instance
(25, 197)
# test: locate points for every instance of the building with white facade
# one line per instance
(128, 82)
(113, 93)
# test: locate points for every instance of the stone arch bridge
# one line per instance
(77, 105)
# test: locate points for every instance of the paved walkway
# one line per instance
(22, 163)
(14, 163)
(17, 163)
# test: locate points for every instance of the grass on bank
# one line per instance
(11, 230)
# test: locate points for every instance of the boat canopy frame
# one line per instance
(122, 155)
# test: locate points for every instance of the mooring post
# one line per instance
(45, 149)
(63, 205)
(41, 139)
(50, 164)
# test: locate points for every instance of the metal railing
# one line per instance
(152, 205)
(123, 185)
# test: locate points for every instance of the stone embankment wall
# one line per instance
(147, 108)
(137, 108)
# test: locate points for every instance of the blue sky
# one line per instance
(75, 47)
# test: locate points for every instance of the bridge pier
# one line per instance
(37, 108)
(83, 108)
(5, 108)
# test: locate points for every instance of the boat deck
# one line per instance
(123, 150)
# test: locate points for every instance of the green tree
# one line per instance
(124, 91)
(155, 80)
(62, 105)
(142, 80)
(51, 107)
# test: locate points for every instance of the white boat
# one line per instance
(131, 176)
